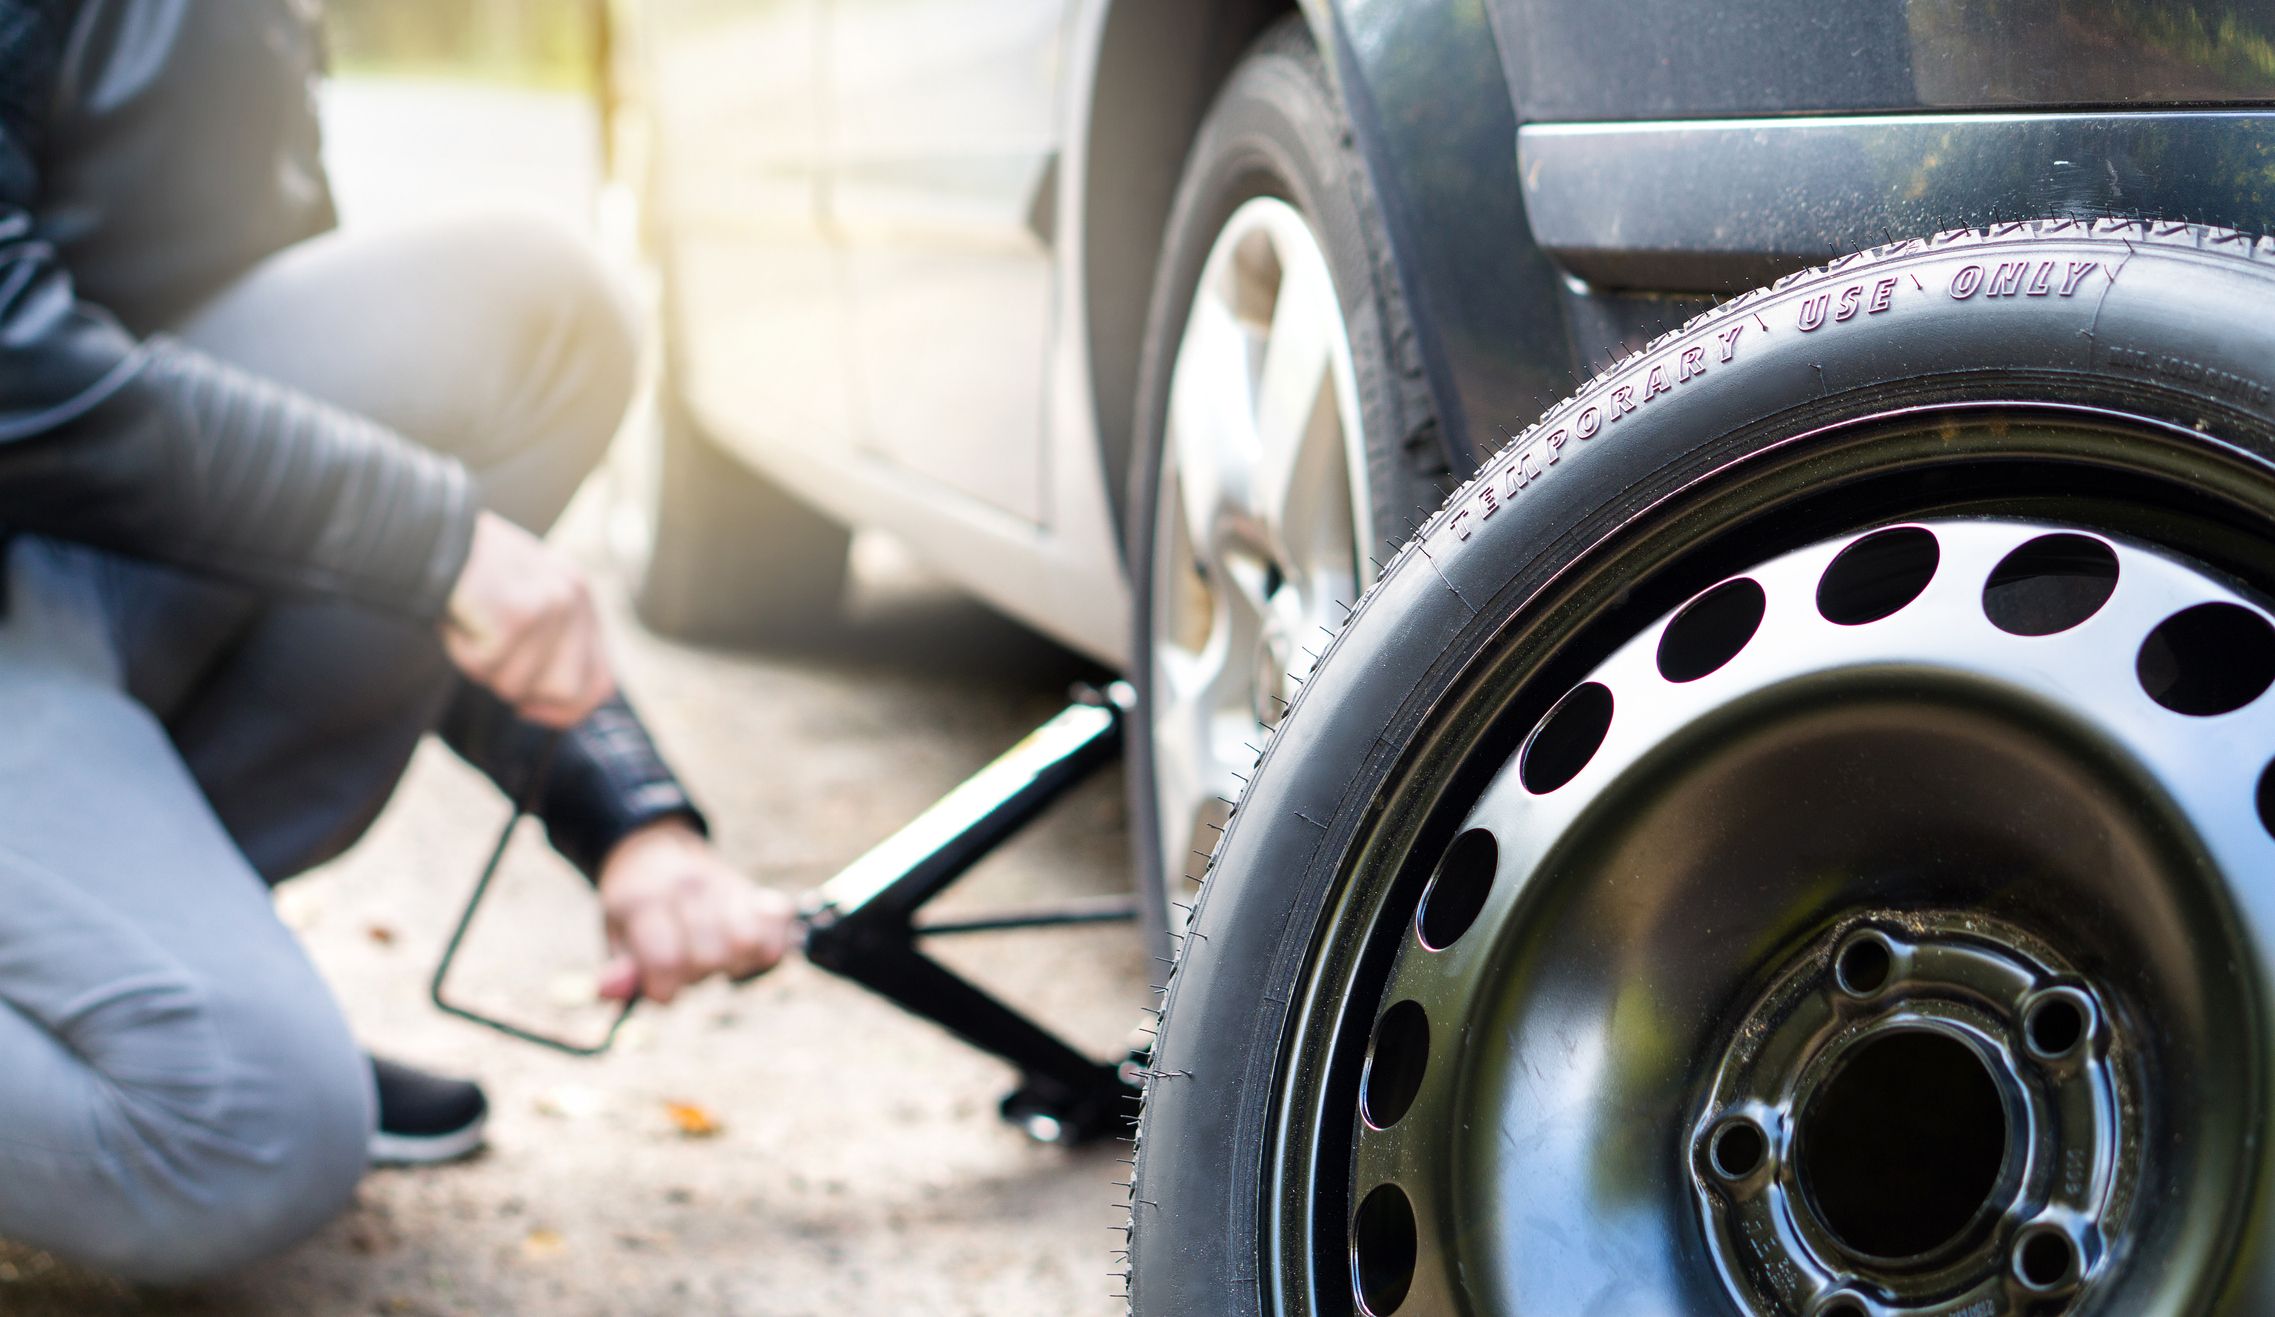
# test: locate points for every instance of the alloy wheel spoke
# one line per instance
(1298, 439)
(1199, 706)
(1211, 404)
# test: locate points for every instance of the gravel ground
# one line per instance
(791, 1147)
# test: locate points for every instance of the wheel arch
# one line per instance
(1485, 317)
(1156, 67)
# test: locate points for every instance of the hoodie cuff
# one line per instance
(607, 782)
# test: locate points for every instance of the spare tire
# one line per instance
(1791, 835)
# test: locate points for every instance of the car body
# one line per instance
(909, 242)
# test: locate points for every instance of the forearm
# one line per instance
(192, 462)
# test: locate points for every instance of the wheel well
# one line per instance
(1160, 63)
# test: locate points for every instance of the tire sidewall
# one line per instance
(2170, 327)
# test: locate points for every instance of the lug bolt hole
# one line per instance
(2045, 1259)
(1865, 965)
(1843, 1305)
(2057, 1023)
(1739, 1148)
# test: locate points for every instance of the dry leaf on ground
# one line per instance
(692, 1121)
(542, 1244)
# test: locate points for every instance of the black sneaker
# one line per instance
(423, 1118)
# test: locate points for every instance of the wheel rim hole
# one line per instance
(2210, 659)
(1739, 1148)
(1458, 889)
(1711, 629)
(2055, 1026)
(2050, 584)
(1864, 966)
(1904, 1144)
(2045, 1259)
(2267, 799)
(1567, 738)
(1384, 1247)
(1396, 1061)
(1877, 576)
(1843, 1305)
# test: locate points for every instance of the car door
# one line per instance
(943, 141)
(759, 323)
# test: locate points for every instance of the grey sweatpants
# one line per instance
(178, 1091)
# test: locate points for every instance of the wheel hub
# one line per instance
(1919, 1115)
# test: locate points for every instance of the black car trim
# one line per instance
(1726, 204)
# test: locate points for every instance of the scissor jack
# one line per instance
(863, 924)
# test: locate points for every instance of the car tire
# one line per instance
(1276, 140)
(730, 557)
(2092, 387)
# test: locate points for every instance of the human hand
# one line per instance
(521, 621)
(677, 913)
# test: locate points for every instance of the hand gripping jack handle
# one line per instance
(863, 924)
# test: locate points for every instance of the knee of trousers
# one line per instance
(235, 1129)
(604, 342)
(578, 339)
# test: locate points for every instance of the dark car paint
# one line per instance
(1529, 266)
(1653, 59)
(1432, 115)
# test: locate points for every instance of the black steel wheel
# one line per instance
(1794, 835)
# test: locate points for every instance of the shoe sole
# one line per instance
(425, 1149)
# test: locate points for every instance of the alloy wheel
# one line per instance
(1262, 508)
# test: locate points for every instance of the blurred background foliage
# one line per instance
(541, 43)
